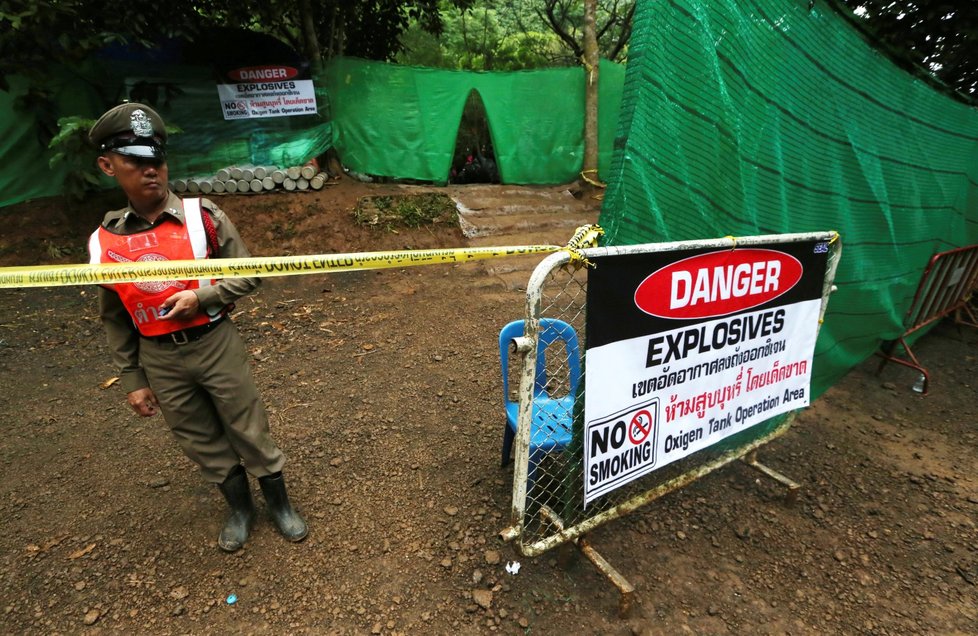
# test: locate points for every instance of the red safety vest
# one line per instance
(168, 241)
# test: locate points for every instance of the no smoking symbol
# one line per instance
(640, 427)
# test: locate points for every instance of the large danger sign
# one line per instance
(686, 348)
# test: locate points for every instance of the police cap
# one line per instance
(130, 129)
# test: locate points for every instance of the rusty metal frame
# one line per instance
(576, 533)
(945, 288)
(626, 589)
(792, 486)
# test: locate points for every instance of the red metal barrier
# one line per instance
(944, 289)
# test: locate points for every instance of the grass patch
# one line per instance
(407, 210)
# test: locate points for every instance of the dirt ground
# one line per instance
(385, 394)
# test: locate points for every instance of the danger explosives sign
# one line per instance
(270, 90)
(686, 348)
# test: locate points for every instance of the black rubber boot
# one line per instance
(238, 494)
(286, 519)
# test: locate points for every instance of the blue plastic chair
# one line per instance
(550, 430)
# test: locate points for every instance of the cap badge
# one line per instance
(140, 123)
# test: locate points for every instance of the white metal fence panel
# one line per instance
(548, 482)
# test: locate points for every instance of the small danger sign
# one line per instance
(620, 448)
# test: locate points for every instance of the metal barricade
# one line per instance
(945, 288)
(548, 501)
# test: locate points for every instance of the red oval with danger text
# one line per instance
(270, 73)
(717, 283)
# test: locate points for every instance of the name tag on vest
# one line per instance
(144, 241)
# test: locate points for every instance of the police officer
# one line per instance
(177, 350)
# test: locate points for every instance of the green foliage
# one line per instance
(478, 40)
(72, 149)
(938, 38)
(413, 211)
(515, 34)
(369, 29)
(35, 33)
(38, 35)
(565, 19)
(530, 49)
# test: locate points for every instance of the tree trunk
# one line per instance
(590, 169)
(309, 36)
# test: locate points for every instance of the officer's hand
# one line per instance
(144, 402)
(181, 305)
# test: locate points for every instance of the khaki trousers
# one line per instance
(211, 404)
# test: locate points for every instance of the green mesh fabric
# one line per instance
(384, 120)
(400, 121)
(24, 158)
(744, 117)
(185, 96)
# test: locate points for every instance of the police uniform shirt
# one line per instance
(122, 336)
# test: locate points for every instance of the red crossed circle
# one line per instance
(640, 427)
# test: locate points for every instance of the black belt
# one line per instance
(191, 334)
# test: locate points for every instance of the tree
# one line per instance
(36, 33)
(362, 28)
(589, 30)
(479, 38)
(33, 34)
(585, 30)
(566, 19)
(591, 70)
(577, 26)
(939, 38)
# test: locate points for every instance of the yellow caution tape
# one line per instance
(109, 273)
(586, 236)
(260, 267)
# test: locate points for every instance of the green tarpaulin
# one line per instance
(385, 120)
(400, 121)
(745, 117)
(186, 97)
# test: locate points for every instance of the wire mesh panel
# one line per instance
(548, 489)
(549, 390)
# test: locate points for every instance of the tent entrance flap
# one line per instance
(474, 160)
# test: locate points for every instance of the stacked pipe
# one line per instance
(251, 179)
